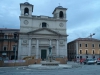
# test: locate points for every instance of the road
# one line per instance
(84, 70)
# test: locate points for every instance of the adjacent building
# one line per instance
(39, 33)
(8, 43)
(84, 48)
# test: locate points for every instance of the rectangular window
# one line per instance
(80, 57)
(80, 45)
(43, 24)
(86, 56)
(86, 52)
(92, 45)
(85, 45)
(93, 57)
(14, 48)
(99, 45)
(15, 36)
(5, 36)
(80, 51)
(4, 48)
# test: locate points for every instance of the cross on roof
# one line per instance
(59, 4)
(26, 0)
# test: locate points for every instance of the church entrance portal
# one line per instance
(43, 54)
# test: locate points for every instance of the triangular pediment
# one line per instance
(44, 31)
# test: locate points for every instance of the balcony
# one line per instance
(7, 51)
(11, 39)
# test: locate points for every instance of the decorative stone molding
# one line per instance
(26, 22)
(24, 41)
(61, 24)
(61, 42)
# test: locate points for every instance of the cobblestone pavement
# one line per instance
(84, 70)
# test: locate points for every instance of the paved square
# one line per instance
(84, 70)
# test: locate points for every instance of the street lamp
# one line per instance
(91, 35)
(91, 38)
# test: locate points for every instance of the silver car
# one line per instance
(98, 62)
(89, 61)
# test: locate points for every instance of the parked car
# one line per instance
(98, 62)
(89, 61)
(95, 60)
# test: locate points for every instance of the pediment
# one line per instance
(44, 31)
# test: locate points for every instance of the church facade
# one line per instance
(39, 33)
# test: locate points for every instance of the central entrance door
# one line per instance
(43, 54)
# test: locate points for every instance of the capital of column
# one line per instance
(30, 38)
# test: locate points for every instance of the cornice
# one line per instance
(50, 19)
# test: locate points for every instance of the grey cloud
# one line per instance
(80, 13)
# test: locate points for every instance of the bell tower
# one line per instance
(26, 9)
(59, 13)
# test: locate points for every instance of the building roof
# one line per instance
(26, 4)
(85, 39)
(8, 29)
(59, 7)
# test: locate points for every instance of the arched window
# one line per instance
(61, 15)
(86, 52)
(26, 11)
(44, 24)
(93, 51)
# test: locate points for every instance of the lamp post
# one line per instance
(91, 35)
(91, 39)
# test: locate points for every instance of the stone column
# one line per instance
(50, 42)
(57, 49)
(19, 49)
(51, 47)
(77, 55)
(37, 48)
(29, 52)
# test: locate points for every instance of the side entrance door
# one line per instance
(43, 54)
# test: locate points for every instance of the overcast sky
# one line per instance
(83, 15)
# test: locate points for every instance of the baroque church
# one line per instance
(39, 33)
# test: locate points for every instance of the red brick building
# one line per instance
(8, 43)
